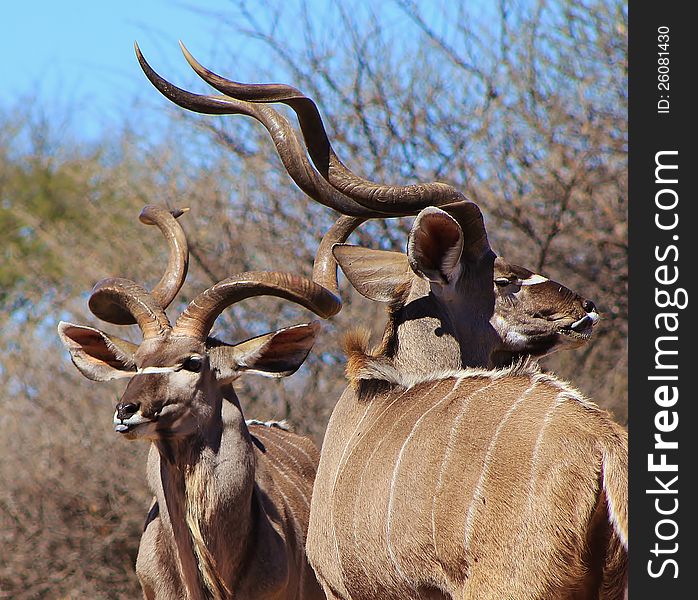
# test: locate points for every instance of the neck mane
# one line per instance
(365, 364)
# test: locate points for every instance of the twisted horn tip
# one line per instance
(178, 212)
(145, 216)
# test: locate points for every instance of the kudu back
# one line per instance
(442, 477)
(232, 501)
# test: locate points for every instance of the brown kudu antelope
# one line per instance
(441, 478)
(232, 499)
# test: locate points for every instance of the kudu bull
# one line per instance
(440, 478)
(232, 500)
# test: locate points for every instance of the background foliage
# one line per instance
(520, 105)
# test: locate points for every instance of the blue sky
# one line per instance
(76, 58)
(79, 53)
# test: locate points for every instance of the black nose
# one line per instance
(124, 410)
(589, 306)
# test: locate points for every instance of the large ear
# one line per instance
(435, 246)
(276, 354)
(97, 356)
(375, 274)
(472, 224)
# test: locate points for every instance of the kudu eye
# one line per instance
(193, 364)
(589, 306)
(502, 282)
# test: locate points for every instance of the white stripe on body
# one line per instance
(486, 463)
(340, 468)
(447, 452)
(361, 477)
(280, 468)
(395, 470)
(559, 400)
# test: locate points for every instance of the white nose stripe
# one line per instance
(533, 280)
(144, 371)
(149, 370)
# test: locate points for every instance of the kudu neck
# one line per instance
(441, 330)
(208, 491)
(205, 432)
(220, 430)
